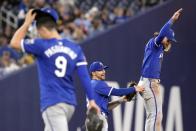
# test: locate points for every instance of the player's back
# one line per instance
(56, 59)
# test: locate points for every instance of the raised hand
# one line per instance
(176, 15)
(29, 17)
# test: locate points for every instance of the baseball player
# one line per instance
(150, 74)
(57, 59)
(103, 92)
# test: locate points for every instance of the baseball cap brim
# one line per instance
(105, 67)
(171, 35)
(174, 40)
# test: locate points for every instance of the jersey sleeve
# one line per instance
(85, 79)
(81, 59)
(81, 65)
(123, 91)
(162, 33)
(32, 46)
(103, 88)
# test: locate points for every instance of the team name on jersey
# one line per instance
(60, 49)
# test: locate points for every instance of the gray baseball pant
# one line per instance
(152, 102)
(56, 117)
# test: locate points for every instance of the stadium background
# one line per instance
(121, 48)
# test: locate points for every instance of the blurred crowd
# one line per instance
(79, 19)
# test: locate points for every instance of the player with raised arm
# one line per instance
(150, 74)
(57, 59)
(103, 92)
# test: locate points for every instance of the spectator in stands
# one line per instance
(4, 47)
(7, 64)
(82, 22)
(74, 32)
(78, 19)
(26, 60)
(67, 33)
(78, 34)
(97, 26)
(136, 6)
(120, 16)
(67, 2)
(149, 3)
(106, 21)
(40, 4)
(23, 8)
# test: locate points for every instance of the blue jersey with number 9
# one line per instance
(56, 59)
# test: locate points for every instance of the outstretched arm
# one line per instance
(21, 32)
(126, 91)
(167, 26)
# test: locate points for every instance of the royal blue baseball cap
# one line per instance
(46, 11)
(171, 35)
(97, 66)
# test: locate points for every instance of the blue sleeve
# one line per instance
(81, 59)
(85, 79)
(103, 88)
(32, 46)
(122, 91)
(163, 32)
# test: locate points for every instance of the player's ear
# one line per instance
(93, 73)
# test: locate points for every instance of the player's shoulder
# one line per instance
(152, 43)
(95, 82)
(151, 40)
(36, 40)
(71, 44)
(101, 83)
(29, 40)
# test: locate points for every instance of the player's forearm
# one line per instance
(163, 31)
(166, 27)
(114, 104)
(172, 20)
(18, 36)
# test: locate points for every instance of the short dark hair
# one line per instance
(46, 21)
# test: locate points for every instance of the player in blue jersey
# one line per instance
(150, 74)
(103, 92)
(57, 59)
